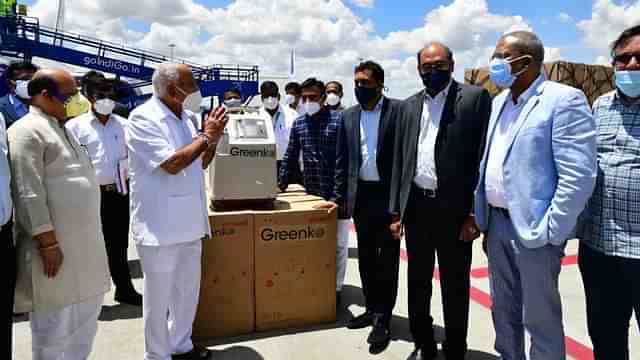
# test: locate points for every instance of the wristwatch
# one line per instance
(206, 138)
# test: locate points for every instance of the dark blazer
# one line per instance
(349, 154)
(8, 110)
(458, 150)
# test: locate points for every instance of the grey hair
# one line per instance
(528, 44)
(165, 74)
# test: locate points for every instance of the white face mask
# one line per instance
(270, 103)
(333, 99)
(311, 108)
(104, 106)
(232, 103)
(22, 89)
(289, 99)
(192, 102)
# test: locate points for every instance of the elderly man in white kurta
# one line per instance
(62, 271)
(169, 217)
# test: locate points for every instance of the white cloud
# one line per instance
(364, 3)
(564, 18)
(608, 20)
(329, 37)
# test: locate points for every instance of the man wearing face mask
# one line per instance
(536, 175)
(314, 136)
(169, 217)
(292, 97)
(62, 263)
(334, 96)
(102, 134)
(438, 149)
(15, 104)
(610, 240)
(232, 98)
(281, 116)
(363, 177)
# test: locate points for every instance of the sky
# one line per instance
(330, 36)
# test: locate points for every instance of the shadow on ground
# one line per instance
(120, 312)
(236, 353)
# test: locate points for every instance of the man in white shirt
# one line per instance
(169, 217)
(6, 237)
(281, 116)
(102, 135)
(438, 148)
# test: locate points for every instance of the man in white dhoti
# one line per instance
(169, 217)
(62, 271)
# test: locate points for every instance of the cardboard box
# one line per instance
(227, 301)
(295, 264)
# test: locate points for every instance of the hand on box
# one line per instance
(326, 205)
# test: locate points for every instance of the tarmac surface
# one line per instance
(120, 334)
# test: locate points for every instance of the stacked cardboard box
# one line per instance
(267, 270)
(593, 80)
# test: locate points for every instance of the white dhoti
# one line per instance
(342, 252)
(171, 285)
(65, 334)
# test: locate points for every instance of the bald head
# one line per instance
(172, 75)
(49, 90)
(525, 43)
(438, 49)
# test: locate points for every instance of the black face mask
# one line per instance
(364, 95)
(436, 80)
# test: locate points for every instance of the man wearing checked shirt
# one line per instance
(610, 226)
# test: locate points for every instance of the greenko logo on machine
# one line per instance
(263, 153)
(293, 232)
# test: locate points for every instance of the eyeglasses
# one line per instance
(624, 59)
(434, 67)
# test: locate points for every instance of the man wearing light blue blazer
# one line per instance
(537, 173)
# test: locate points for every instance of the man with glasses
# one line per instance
(102, 134)
(169, 217)
(314, 136)
(62, 264)
(537, 173)
(610, 226)
(437, 151)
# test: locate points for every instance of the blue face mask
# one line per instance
(628, 82)
(500, 72)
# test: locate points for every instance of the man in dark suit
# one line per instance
(15, 104)
(364, 165)
(438, 149)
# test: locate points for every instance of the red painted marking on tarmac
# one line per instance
(575, 349)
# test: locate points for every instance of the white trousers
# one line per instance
(171, 286)
(342, 252)
(65, 334)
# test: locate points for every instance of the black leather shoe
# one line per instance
(380, 335)
(423, 354)
(361, 322)
(197, 353)
(130, 297)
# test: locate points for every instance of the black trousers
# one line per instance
(612, 292)
(432, 228)
(114, 211)
(8, 258)
(378, 251)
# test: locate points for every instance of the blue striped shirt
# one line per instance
(611, 222)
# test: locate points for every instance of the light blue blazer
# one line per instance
(550, 167)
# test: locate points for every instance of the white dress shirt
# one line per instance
(426, 176)
(6, 204)
(508, 120)
(105, 144)
(166, 209)
(282, 123)
(369, 129)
